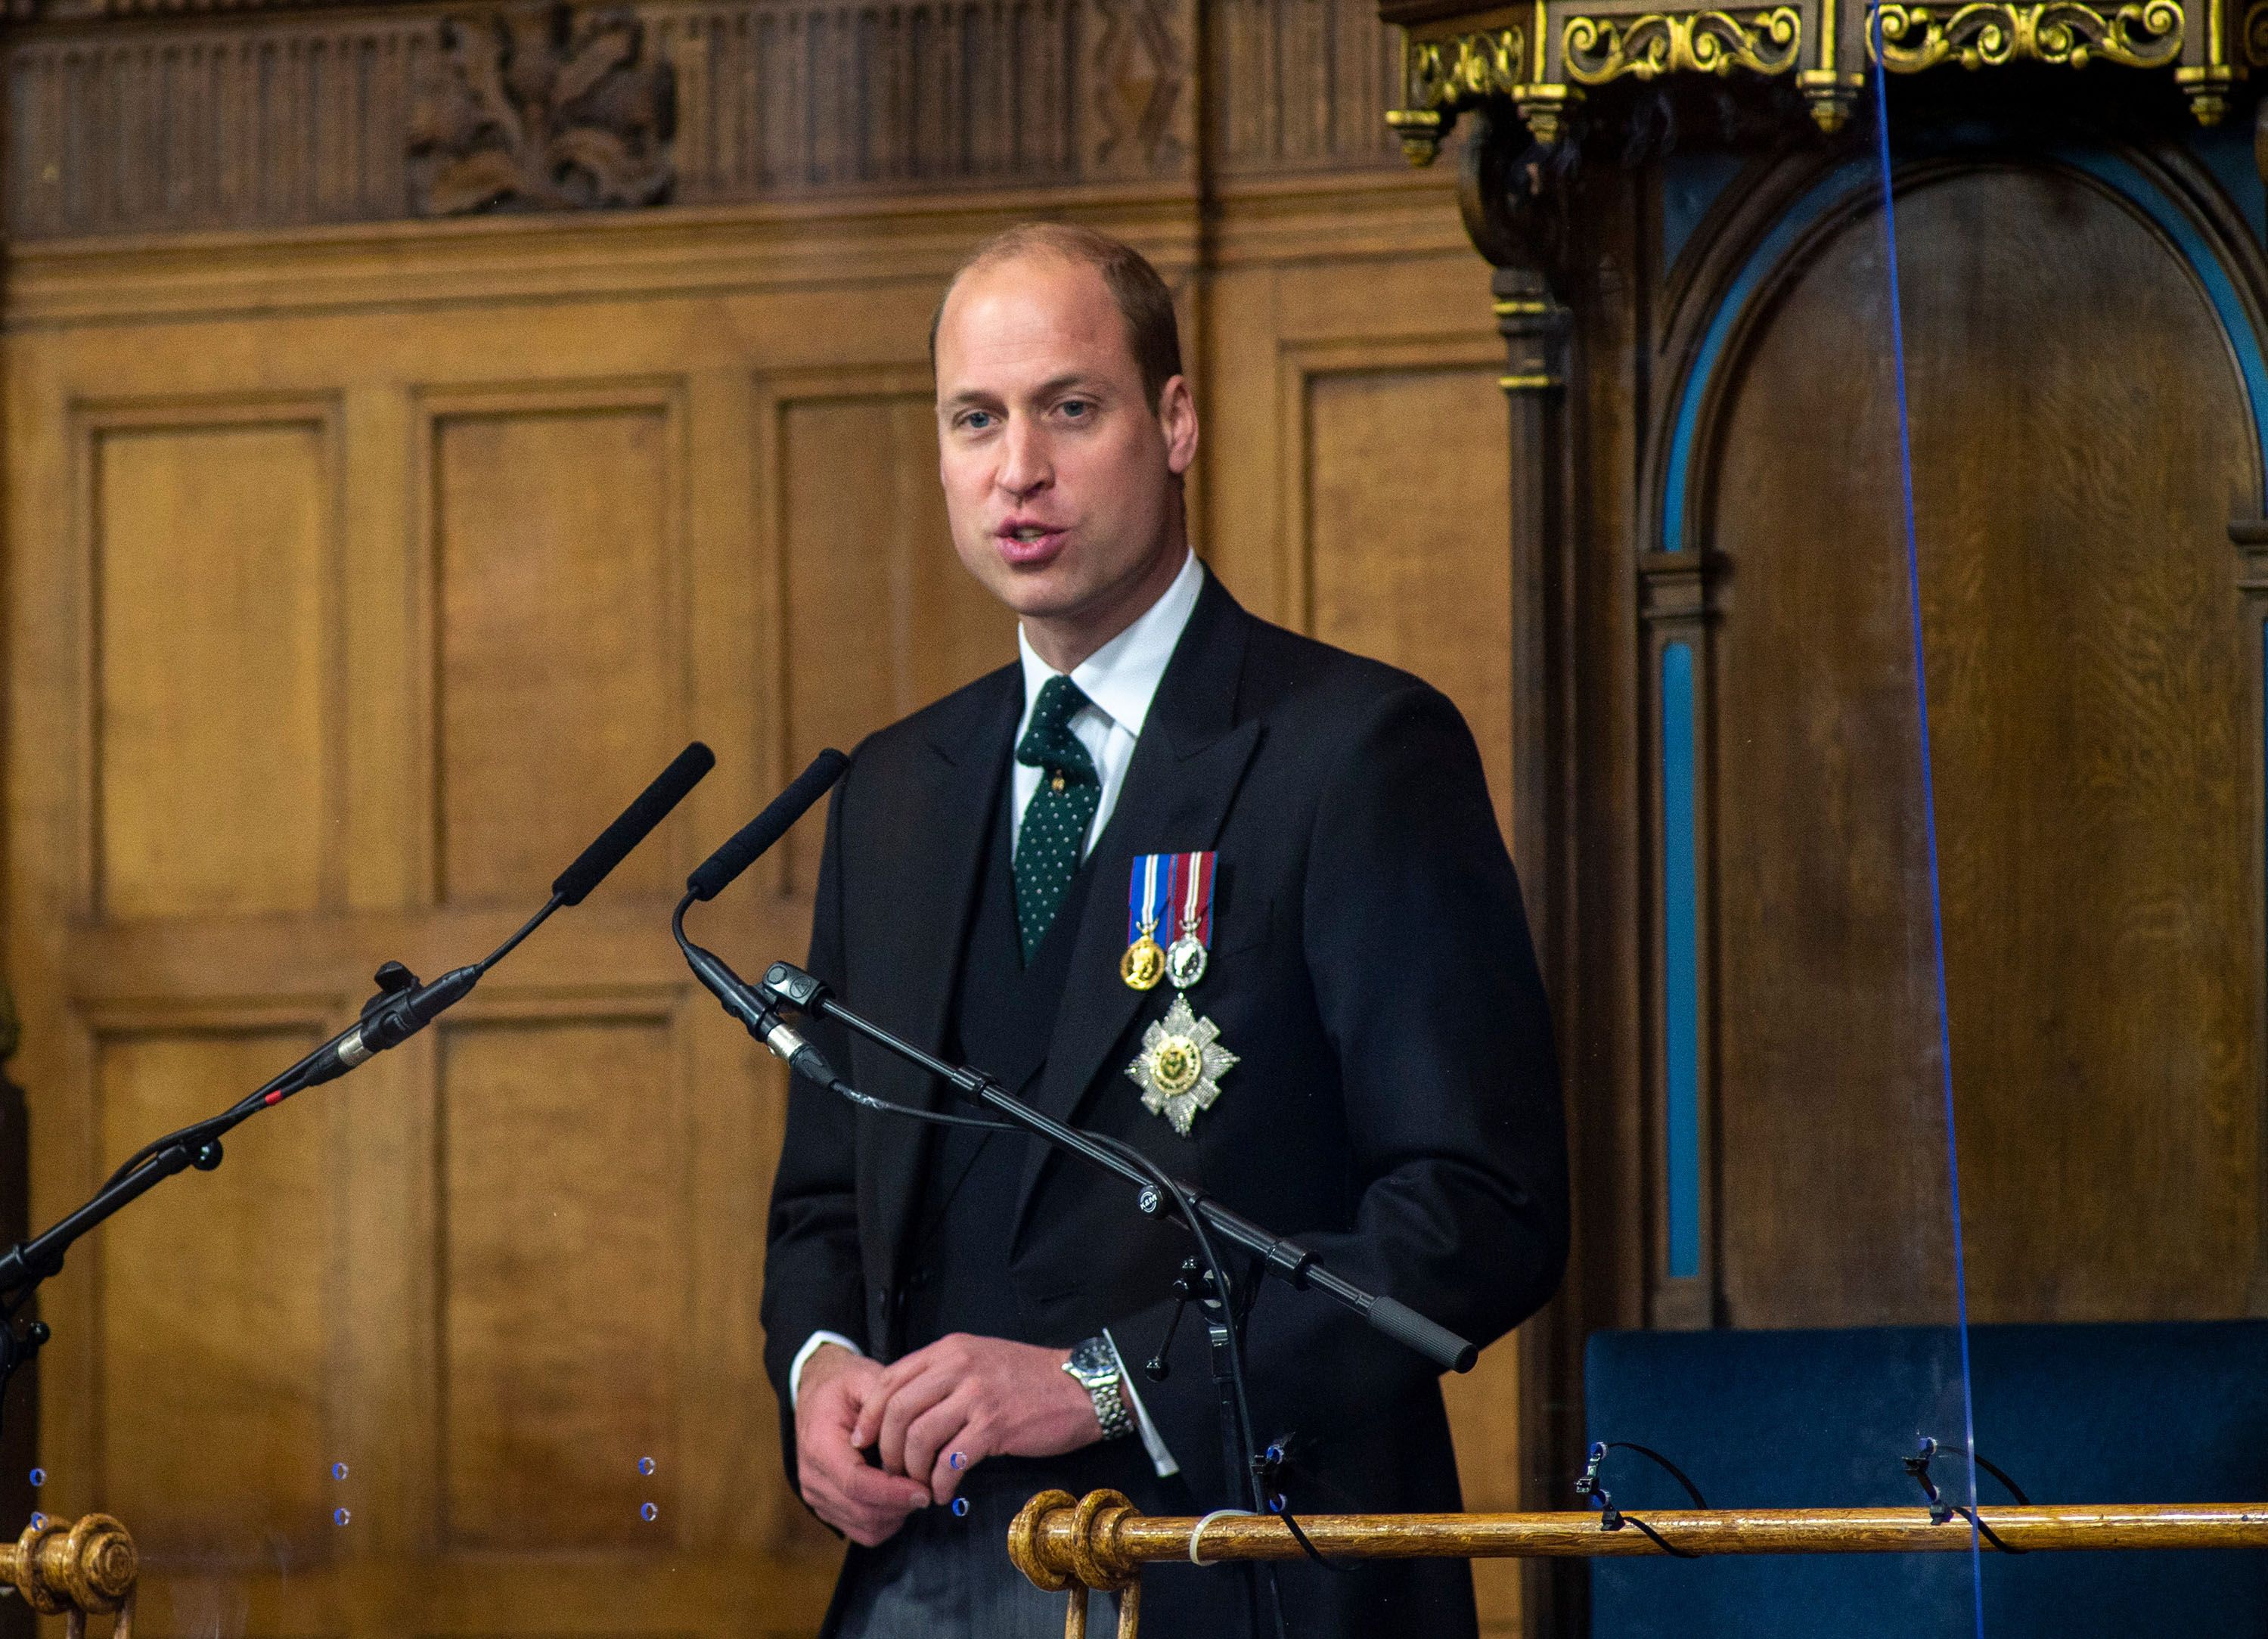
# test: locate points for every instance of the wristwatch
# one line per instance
(1094, 1366)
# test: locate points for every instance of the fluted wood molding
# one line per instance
(134, 117)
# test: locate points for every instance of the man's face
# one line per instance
(1059, 479)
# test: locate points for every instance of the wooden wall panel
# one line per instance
(881, 618)
(1433, 596)
(2100, 847)
(560, 636)
(217, 1295)
(213, 556)
(564, 1283)
(781, 98)
(1308, 84)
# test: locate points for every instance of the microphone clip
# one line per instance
(392, 980)
(791, 985)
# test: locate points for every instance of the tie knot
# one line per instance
(1050, 744)
(1060, 701)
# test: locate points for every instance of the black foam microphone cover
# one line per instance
(652, 805)
(743, 846)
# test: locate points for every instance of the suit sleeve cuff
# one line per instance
(1153, 1442)
(810, 1348)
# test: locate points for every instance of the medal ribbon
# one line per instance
(1149, 891)
(1191, 889)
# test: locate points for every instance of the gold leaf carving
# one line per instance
(2144, 33)
(1453, 72)
(1600, 48)
(2256, 33)
(1440, 77)
(537, 107)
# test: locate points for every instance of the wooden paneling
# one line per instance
(560, 635)
(790, 98)
(1436, 597)
(1305, 85)
(2100, 845)
(881, 618)
(212, 555)
(590, 487)
(270, 121)
(564, 1284)
(217, 1294)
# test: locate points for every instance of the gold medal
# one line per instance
(1144, 964)
(1181, 1066)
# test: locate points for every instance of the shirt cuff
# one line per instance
(1153, 1442)
(810, 1348)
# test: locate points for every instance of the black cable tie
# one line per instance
(1268, 1466)
(1941, 1511)
(1612, 1518)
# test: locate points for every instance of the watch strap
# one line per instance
(1094, 1366)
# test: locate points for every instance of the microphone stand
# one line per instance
(756, 1006)
(402, 1007)
(24, 1265)
(1158, 1193)
(1278, 1255)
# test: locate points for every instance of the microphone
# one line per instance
(755, 1010)
(754, 1007)
(652, 805)
(403, 1007)
(742, 848)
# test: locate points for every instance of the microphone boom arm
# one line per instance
(400, 1008)
(1284, 1258)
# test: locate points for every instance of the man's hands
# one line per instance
(978, 1397)
(864, 1503)
(975, 1397)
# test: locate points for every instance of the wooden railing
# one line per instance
(77, 1568)
(1101, 1543)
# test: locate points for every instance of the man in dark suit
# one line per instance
(1360, 1054)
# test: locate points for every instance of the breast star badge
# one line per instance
(1181, 1066)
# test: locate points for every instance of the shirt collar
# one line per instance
(1121, 676)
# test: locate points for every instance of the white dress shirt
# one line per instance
(1119, 680)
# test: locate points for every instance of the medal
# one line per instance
(1163, 886)
(1144, 964)
(1181, 1066)
(1185, 958)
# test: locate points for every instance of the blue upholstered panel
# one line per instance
(2109, 1414)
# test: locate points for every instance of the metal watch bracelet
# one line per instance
(1094, 1366)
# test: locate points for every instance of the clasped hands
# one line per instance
(970, 1397)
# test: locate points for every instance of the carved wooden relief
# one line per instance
(538, 107)
(291, 114)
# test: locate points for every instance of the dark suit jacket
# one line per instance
(1395, 1102)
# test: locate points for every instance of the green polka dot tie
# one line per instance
(1054, 831)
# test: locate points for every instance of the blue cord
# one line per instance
(1928, 806)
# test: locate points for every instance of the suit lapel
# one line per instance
(1187, 763)
(941, 850)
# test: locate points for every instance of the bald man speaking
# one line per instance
(1224, 893)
